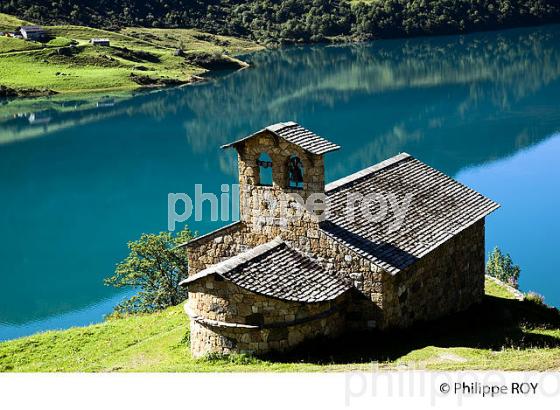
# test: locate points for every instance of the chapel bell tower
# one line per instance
(277, 164)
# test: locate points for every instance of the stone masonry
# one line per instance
(226, 318)
(383, 288)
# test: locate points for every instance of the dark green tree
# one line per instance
(501, 267)
(294, 21)
(154, 267)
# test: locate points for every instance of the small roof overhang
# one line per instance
(296, 134)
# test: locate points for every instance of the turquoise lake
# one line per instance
(78, 180)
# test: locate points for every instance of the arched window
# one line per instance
(265, 169)
(295, 172)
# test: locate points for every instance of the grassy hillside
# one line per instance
(8, 23)
(502, 333)
(136, 58)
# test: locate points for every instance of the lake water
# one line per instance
(78, 181)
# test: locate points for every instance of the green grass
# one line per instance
(59, 42)
(133, 54)
(502, 333)
(9, 44)
(9, 23)
(192, 40)
(497, 290)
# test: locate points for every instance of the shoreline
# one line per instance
(8, 93)
(65, 62)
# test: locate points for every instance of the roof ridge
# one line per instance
(280, 126)
(367, 171)
(296, 134)
(235, 261)
(209, 234)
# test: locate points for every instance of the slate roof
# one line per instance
(440, 208)
(275, 269)
(31, 28)
(296, 134)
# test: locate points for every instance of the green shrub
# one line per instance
(234, 358)
(155, 267)
(501, 267)
(534, 297)
(60, 42)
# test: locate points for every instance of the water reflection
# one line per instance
(86, 176)
(528, 221)
(22, 119)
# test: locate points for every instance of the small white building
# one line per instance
(32, 32)
(39, 118)
(106, 102)
(100, 42)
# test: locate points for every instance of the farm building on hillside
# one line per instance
(104, 42)
(281, 275)
(32, 32)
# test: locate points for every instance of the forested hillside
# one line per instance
(294, 20)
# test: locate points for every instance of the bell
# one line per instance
(296, 174)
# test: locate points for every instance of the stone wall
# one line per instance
(226, 318)
(215, 247)
(300, 229)
(447, 280)
(364, 312)
(271, 209)
(265, 211)
(279, 151)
